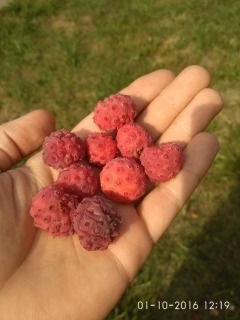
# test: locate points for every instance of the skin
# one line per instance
(46, 278)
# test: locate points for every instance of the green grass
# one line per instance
(64, 56)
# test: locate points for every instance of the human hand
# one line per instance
(46, 278)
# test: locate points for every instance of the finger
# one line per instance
(173, 99)
(146, 88)
(20, 137)
(162, 204)
(194, 118)
(143, 91)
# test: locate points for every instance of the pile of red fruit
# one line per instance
(72, 205)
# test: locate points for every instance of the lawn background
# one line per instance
(64, 56)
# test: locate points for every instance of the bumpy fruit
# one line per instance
(100, 148)
(96, 223)
(163, 162)
(51, 209)
(131, 139)
(114, 112)
(78, 180)
(123, 180)
(62, 149)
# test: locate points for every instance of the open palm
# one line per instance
(46, 278)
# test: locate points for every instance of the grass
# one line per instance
(64, 56)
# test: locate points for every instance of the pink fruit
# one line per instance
(62, 149)
(114, 112)
(96, 223)
(131, 139)
(162, 162)
(100, 148)
(123, 180)
(78, 180)
(51, 209)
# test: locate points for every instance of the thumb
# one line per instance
(20, 137)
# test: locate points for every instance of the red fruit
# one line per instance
(51, 209)
(96, 223)
(78, 180)
(123, 180)
(100, 148)
(62, 149)
(163, 162)
(131, 139)
(114, 112)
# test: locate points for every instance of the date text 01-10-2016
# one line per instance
(183, 305)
